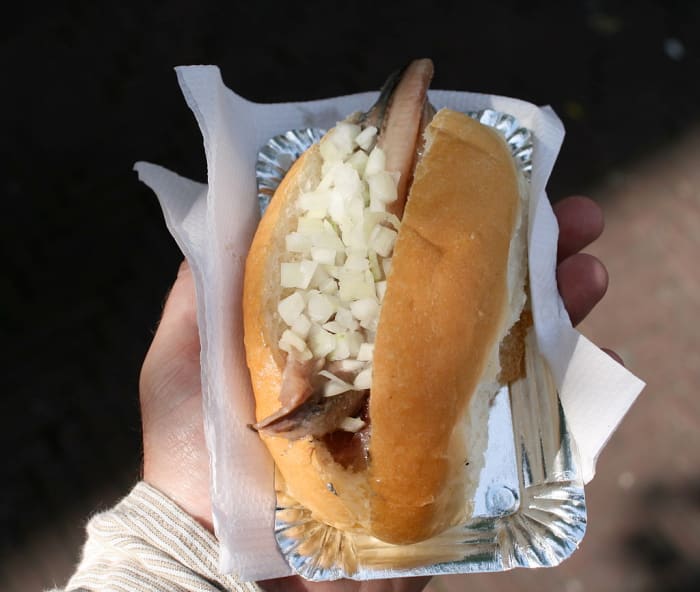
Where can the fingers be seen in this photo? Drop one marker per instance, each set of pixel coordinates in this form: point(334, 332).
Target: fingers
point(174, 353)
point(583, 281)
point(178, 325)
point(580, 223)
point(614, 355)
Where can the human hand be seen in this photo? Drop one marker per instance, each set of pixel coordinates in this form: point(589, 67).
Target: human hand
point(175, 456)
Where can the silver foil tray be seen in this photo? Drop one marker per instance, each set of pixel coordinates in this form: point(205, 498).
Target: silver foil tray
point(527, 500)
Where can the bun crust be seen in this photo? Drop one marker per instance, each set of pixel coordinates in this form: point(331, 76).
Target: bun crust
point(441, 319)
point(441, 322)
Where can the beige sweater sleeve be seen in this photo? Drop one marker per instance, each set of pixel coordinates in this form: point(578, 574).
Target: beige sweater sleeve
point(147, 543)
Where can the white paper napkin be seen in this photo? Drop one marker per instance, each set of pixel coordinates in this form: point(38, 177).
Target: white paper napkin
point(213, 224)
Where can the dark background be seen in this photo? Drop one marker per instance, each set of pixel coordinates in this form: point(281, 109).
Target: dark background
point(88, 88)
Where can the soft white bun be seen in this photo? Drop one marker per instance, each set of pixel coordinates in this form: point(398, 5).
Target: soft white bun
point(445, 319)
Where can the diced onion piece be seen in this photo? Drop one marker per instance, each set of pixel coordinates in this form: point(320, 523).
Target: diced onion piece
point(352, 424)
point(338, 143)
point(334, 327)
point(353, 236)
point(376, 205)
point(316, 202)
point(327, 238)
point(344, 318)
point(319, 278)
point(381, 290)
point(320, 308)
point(381, 187)
point(342, 347)
point(366, 352)
point(349, 365)
point(330, 376)
point(374, 266)
point(291, 341)
point(376, 161)
point(365, 310)
point(364, 379)
point(358, 161)
point(323, 255)
point(394, 220)
point(296, 242)
point(335, 385)
point(309, 226)
point(321, 342)
point(302, 326)
point(329, 286)
point(346, 180)
point(365, 138)
point(354, 339)
point(353, 285)
point(386, 266)
point(297, 274)
point(382, 240)
point(356, 262)
point(291, 307)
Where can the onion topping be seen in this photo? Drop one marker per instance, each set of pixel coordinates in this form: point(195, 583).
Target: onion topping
point(337, 261)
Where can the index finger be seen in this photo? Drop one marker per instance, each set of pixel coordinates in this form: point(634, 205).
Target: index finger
point(580, 223)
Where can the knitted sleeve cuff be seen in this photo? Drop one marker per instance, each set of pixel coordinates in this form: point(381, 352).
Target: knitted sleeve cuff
point(146, 542)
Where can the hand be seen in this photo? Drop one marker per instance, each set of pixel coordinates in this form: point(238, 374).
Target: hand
point(175, 456)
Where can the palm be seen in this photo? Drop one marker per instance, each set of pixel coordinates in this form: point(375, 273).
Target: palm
point(175, 455)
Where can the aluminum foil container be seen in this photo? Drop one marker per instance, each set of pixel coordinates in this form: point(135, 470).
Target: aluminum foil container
point(526, 498)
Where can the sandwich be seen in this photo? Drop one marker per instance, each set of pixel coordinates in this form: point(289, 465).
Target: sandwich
point(385, 289)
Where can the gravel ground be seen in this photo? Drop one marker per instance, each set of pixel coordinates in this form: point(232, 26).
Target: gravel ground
point(89, 89)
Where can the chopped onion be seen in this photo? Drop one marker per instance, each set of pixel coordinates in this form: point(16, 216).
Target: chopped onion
point(364, 379)
point(291, 307)
point(329, 286)
point(365, 310)
point(366, 352)
point(353, 285)
point(290, 341)
point(323, 255)
point(316, 202)
point(382, 240)
point(319, 278)
point(354, 339)
point(344, 318)
point(352, 424)
point(358, 161)
point(343, 245)
point(376, 161)
point(356, 262)
point(381, 187)
point(365, 138)
point(296, 242)
point(349, 365)
point(381, 290)
point(334, 386)
point(374, 265)
point(376, 205)
point(342, 347)
point(386, 265)
point(338, 143)
point(309, 226)
point(321, 342)
point(320, 307)
point(334, 327)
point(302, 326)
point(298, 274)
